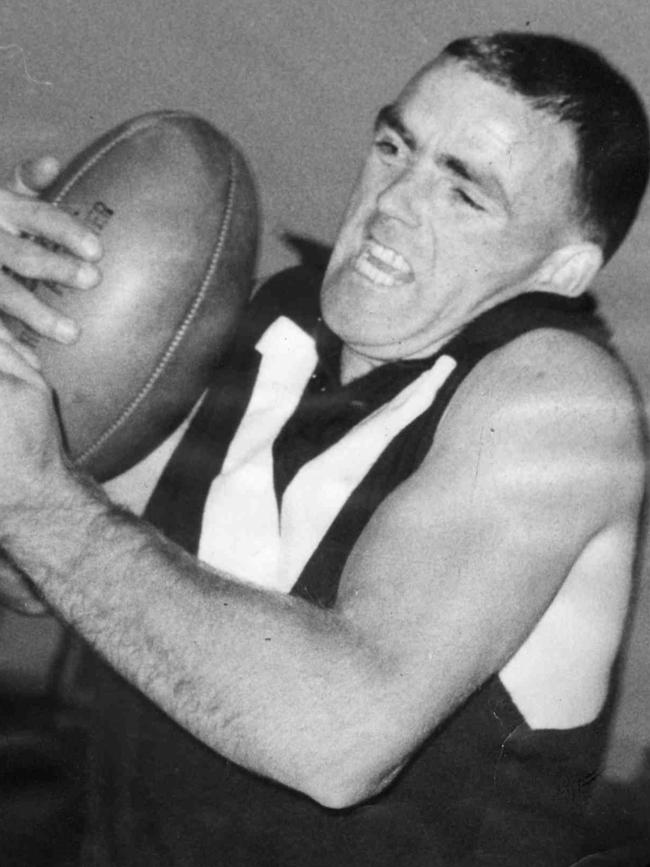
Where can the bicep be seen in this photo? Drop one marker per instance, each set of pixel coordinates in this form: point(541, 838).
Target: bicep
point(460, 563)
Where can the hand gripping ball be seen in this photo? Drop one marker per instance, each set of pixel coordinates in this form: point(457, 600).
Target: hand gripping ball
point(174, 205)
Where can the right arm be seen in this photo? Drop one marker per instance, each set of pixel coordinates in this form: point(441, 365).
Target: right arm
point(23, 217)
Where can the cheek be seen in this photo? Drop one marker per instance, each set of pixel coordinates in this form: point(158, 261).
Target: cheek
point(517, 249)
point(530, 246)
point(349, 229)
point(470, 264)
point(363, 200)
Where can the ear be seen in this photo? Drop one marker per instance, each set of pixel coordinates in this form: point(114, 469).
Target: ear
point(570, 269)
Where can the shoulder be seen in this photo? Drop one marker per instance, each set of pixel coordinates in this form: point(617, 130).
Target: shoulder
point(552, 407)
point(550, 373)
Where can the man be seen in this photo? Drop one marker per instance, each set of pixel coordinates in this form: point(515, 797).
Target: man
point(417, 537)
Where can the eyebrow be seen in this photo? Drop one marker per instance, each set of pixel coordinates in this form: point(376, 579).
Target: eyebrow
point(487, 181)
point(391, 116)
point(460, 168)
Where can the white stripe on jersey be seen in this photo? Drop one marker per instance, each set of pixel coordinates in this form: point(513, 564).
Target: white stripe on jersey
point(242, 532)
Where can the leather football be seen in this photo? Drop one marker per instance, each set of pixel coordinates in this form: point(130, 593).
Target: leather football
point(174, 205)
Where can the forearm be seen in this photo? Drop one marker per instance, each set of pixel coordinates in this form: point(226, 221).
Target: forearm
point(259, 676)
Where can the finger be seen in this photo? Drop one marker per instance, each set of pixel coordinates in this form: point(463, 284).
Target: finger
point(35, 261)
point(16, 592)
point(24, 306)
point(27, 353)
point(44, 220)
point(12, 364)
point(32, 176)
point(20, 215)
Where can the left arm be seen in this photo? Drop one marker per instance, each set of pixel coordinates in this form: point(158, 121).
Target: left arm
point(442, 587)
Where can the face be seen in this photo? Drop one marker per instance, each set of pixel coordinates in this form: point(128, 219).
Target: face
point(465, 193)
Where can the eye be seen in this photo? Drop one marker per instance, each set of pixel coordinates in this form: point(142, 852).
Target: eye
point(468, 200)
point(387, 147)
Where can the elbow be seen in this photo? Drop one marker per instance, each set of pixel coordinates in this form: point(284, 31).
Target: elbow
point(341, 789)
point(336, 795)
point(358, 766)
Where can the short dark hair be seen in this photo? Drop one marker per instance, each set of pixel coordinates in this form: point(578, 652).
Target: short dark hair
point(577, 85)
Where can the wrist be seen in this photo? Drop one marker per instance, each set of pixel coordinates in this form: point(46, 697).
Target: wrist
point(48, 521)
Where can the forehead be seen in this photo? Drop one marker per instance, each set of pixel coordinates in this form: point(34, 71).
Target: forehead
point(449, 106)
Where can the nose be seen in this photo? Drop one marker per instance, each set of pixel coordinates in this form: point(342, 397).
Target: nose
point(401, 198)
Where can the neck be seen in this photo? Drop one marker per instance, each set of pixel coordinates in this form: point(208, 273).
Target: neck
point(355, 363)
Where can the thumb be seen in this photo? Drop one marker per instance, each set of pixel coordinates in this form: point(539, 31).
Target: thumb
point(32, 176)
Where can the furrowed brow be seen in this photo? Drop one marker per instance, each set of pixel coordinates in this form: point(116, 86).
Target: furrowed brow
point(486, 181)
point(390, 117)
point(458, 167)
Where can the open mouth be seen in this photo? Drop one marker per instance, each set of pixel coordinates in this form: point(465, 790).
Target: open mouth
point(383, 266)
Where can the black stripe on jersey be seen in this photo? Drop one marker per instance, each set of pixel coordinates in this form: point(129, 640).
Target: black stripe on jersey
point(177, 503)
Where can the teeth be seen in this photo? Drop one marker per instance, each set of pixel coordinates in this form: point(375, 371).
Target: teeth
point(382, 265)
point(388, 256)
point(365, 267)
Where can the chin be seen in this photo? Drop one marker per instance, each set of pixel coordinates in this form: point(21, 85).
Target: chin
point(350, 303)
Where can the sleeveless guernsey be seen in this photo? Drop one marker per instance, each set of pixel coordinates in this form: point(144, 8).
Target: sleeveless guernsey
point(275, 479)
